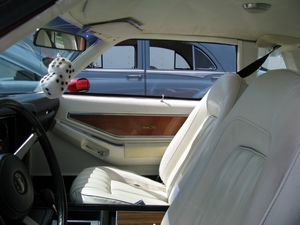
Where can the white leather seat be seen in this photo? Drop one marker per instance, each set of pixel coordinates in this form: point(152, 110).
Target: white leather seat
point(253, 174)
point(109, 185)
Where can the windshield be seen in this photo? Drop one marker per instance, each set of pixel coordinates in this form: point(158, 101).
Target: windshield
point(23, 64)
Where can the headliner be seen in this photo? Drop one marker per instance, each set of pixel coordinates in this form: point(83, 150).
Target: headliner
point(213, 18)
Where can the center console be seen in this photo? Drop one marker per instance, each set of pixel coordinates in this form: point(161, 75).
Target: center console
point(115, 215)
point(79, 222)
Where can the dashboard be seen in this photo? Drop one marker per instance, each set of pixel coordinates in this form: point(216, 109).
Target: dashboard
point(14, 129)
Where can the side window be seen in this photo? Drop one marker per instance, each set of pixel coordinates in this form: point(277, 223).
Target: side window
point(170, 55)
point(186, 70)
point(116, 72)
point(181, 63)
point(119, 57)
point(122, 56)
point(156, 68)
point(161, 58)
point(273, 62)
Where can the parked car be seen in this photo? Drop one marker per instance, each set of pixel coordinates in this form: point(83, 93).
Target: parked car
point(156, 68)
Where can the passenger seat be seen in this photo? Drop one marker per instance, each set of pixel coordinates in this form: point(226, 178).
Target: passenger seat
point(253, 175)
point(108, 185)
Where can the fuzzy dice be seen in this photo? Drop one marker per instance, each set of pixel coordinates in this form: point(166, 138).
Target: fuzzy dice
point(60, 72)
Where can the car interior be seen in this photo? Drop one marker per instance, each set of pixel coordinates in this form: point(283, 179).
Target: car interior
point(80, 158)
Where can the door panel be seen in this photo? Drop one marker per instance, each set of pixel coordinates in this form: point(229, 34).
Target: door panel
point(121, 130)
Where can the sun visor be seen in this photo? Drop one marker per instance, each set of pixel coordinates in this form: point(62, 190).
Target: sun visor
point(117, 28)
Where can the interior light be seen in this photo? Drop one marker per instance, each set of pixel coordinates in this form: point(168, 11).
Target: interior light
point(256, 7)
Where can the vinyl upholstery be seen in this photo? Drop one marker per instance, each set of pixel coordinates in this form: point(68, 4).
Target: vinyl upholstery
point(113, 186)
point(107, 185)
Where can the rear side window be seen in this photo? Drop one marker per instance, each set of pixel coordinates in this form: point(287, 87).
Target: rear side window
point(159, 68)
point(202, 61)
point(273, 62)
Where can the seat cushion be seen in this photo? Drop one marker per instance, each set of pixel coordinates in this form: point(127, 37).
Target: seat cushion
point(107, 185)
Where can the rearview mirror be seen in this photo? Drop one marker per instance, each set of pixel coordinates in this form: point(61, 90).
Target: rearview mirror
point(55, 39)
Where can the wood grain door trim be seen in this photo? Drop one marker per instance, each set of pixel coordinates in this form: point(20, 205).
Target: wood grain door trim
point(132, 125)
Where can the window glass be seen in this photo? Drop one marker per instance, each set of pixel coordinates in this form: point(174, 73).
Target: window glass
point(181, 63)
point(116, 72)
point(10, 71)
point(171, 55)
point(202, 61)
point(7, 70)
point(156, 68)
point(186, 69)
point(22, 65)
point(98, 63)
point(15, 79)
point(119, 57)
point(273, 62)
point(161, 58)
point(223, 56)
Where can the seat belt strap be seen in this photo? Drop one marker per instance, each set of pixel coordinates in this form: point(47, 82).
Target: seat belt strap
point(251, 68)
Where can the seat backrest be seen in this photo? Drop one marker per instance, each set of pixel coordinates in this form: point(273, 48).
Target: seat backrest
point(213, 107)
point(253, 175)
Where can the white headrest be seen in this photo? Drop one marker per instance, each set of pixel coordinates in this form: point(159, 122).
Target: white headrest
point(217, 99)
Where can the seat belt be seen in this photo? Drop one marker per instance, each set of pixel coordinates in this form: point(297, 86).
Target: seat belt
point(251, 68)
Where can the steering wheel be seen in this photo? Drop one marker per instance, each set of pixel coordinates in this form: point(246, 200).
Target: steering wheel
point(16, 189)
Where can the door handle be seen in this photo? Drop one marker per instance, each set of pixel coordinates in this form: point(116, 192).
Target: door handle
point(135, 76)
